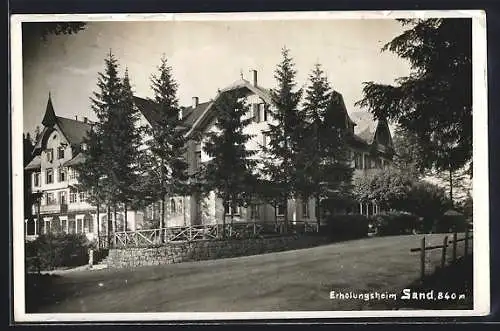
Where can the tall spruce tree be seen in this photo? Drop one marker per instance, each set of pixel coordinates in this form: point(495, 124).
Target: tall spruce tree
point(125, 170)
point(230, 170)
point(165, 159)
point(285, 135)
point(93, 173)
point(317, 99)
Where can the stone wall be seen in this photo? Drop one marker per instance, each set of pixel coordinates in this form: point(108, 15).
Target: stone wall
point(207, 250)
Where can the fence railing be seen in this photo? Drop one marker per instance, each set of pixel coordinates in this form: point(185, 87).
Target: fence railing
point(444, 249)
point(237, 230)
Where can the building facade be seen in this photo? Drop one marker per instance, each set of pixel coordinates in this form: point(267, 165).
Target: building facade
point(60, 205)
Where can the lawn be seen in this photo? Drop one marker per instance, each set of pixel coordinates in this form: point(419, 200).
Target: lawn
point(291, 280)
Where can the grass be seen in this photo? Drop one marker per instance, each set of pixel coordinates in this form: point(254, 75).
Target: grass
point(291, 280)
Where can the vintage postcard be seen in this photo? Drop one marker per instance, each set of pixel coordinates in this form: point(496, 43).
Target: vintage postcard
point(183, 167)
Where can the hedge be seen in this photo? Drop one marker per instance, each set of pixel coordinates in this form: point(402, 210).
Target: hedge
point(348, 226)
point(394, 223)
point(51, 251)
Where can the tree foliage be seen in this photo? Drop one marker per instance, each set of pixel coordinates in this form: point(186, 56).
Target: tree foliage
point(230, 170)
point(284, 158)
point(328, 171)
point(434, 102)
point(165, 158)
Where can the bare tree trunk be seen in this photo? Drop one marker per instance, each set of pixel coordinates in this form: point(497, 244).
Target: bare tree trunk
point(225, 203)
point(98, 224)
point(451, 186)
point(110, 223)
point(162, 216)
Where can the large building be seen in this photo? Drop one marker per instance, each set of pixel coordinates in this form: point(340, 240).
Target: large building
point(60, 143)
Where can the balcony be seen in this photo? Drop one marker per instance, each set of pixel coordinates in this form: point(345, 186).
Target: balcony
point(54, 209)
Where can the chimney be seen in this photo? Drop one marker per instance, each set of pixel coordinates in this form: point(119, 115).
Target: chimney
point(85, 120)
point(76, 117)
point(195, 102)
point(254, 73)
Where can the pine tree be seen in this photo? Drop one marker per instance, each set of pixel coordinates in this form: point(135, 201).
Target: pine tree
point(230, 170)
point(165, 158)
point(285, 134)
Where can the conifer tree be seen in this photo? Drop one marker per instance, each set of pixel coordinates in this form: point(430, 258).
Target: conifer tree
point(230, 170)
point(93, 172)
point(285, 134)
point(328, 169)
point(126, 151)
point(165, 159)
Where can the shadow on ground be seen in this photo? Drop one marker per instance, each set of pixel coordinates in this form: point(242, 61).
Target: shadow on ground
point(447, 288)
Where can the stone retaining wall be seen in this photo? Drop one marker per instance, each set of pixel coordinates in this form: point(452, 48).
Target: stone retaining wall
point(207, 250)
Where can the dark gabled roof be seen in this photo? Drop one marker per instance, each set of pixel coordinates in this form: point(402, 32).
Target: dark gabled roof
point(79, 158)
point(192, 114)
point(75, 131)
point(148, 109)
point(35, 163)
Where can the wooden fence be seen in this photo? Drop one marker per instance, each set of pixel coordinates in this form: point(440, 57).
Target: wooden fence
point(239, 230)
point(444, 248)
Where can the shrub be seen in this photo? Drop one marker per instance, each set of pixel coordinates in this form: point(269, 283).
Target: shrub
point(52, 251)
point(394, 223)
point(341, 227)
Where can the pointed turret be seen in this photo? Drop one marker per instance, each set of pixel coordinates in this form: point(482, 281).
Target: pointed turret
point(50, 116)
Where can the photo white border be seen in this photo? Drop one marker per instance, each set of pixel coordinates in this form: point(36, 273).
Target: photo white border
point(481, 251)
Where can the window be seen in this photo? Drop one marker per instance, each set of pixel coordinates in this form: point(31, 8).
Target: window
point(231, 209)
point(264, 139)
point(254, 211)
point(256, 112)
point(50, 199)
point(172, 206)
point(81, 196)
point(49, 179)
point(72, 196)
point(305, 209)
point(36, 179)
point(83, 146)
point(198, 159)
point(62, 197)
point(62, 174)
point(72, 173)
point(50, 155)
point(367, 162)
point(358, 160)
point(60, 153)
point(264, 111)
point(280, 210)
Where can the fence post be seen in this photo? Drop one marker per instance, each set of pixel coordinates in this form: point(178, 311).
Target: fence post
point(422, 258)
point(454, 252)
point(443, 252)
point(466, 242)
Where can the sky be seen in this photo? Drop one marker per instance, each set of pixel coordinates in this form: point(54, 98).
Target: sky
point(205, 56)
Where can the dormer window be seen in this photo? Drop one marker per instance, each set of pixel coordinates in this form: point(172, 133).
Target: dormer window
point(83, 146)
